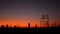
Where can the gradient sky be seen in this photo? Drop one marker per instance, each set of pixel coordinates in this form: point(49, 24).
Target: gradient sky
point(21, 12)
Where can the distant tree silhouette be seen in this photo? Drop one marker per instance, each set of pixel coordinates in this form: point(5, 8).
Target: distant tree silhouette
point(2, 26)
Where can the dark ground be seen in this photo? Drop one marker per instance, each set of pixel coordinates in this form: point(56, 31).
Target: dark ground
point(30, 30)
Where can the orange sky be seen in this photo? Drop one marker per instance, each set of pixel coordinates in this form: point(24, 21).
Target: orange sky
point(23, 23)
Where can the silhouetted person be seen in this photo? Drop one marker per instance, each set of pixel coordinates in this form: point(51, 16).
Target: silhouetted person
point(59, 25)
point(15, 26)
point(54, 24)
point(36, 25)
point(18, 26)
point(10, 27)
point(28, 24)
point(6, 25)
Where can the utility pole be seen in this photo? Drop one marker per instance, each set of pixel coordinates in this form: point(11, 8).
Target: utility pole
point(45, 19)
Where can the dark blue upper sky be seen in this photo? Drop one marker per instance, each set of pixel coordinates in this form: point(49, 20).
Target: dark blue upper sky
point(30, 8)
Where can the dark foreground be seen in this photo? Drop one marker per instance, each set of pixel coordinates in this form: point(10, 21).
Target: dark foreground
point(33, 30)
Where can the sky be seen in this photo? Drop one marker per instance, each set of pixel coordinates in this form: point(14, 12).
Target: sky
point(20, 12)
